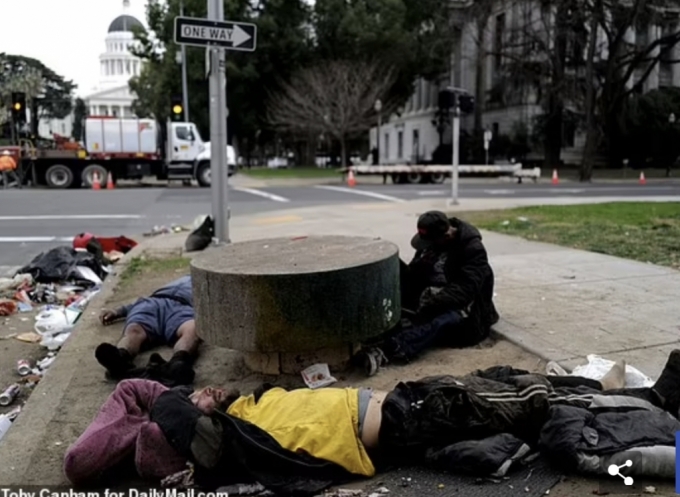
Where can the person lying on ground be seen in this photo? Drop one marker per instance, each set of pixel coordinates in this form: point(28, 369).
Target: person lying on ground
point(481, 423)
point(164, 318)
point(446, 294)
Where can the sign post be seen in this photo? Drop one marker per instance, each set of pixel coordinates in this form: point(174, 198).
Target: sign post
point(487, 138)
point(217, 36)
point(455, 142)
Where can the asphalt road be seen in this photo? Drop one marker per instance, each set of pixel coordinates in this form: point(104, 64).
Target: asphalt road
point(32, 221)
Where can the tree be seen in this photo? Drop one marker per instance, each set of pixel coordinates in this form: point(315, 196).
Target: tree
point(48, 94)
point(335, 98)
point(79, 115)
point(629, 65)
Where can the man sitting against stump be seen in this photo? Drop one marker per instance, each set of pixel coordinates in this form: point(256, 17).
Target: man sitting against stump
point(446, 294)
point(166, 317)
point(302, 441)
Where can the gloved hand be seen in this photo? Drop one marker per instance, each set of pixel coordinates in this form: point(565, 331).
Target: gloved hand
point(427, 298)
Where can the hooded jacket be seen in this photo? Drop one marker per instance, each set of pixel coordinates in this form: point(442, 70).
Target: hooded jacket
point(468, 285)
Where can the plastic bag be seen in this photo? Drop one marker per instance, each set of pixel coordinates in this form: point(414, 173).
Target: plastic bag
point(597, 367)
point(55, 320)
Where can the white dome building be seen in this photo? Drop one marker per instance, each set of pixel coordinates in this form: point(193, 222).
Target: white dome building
point(112, 97)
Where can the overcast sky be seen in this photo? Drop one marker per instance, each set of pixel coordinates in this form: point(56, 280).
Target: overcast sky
point(66, 35)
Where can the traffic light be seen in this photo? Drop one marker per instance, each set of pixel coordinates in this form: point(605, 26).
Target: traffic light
point(177, 109)
point(19, 107)
point(466, 104)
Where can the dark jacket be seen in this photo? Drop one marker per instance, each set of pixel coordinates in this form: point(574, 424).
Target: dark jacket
point(226, 450)
point(469, 282)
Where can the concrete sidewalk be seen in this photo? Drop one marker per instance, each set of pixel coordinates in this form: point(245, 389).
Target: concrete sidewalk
point(559, 303)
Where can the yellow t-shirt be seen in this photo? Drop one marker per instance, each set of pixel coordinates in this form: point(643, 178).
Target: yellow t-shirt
point(323, 423)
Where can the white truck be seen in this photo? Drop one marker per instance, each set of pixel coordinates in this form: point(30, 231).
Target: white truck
point(127, 149)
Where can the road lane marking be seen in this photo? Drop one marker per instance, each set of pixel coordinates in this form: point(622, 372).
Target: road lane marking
point(499, 192)
point(365, 193)
point(277, 220)
point(35, 239)
point(261, 193)
point(432, 192)
point(75, 216)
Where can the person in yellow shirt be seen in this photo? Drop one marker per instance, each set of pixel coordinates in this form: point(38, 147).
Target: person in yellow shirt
point(8, 167)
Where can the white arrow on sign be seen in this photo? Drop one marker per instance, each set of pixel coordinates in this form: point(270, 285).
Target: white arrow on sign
point(236, 35)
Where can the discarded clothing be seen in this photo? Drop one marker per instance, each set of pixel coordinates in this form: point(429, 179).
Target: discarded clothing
point(215, 444)
point(122, 428)
point(201, 237)
point(323, 423)
point(60, 264)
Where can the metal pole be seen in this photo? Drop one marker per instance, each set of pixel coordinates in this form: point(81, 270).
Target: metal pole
point(185, 92)
point(218, 133)
point(454, 156)
point(377, 138)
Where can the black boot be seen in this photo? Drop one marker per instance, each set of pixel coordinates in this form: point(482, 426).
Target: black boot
point(118, 362)
point(668, 384)
point(180, 368)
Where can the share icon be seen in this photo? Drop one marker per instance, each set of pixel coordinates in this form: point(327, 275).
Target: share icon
point(615, 470)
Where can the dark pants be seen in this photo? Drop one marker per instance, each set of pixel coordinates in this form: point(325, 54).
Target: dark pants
point(440, 411)
point(416, 333)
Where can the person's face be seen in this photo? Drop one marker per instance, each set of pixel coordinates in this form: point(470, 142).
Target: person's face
point(208, 399)
point(442, 242)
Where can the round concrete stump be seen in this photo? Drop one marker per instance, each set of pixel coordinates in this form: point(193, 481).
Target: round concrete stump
point(289, 303)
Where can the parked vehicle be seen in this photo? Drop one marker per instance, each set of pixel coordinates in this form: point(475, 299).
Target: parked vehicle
point(126, 149)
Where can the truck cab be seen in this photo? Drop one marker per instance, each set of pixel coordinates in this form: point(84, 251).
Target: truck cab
point(183, 145)
point(202, 166)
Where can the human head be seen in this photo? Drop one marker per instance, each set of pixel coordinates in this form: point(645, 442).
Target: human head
point(209, 399)
point(434, 229)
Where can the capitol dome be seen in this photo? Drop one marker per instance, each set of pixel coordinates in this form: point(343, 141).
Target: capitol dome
point(117, 65)
point(125, 22)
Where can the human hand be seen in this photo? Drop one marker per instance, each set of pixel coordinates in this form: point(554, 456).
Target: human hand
point(108, 317)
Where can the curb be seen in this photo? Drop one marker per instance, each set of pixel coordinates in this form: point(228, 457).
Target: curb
point(24, 446)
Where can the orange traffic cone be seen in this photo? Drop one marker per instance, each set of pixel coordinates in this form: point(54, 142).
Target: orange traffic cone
point(351, 180)
point(109, 182)
point(642, 180)
point(96, 182)
point(555, 178)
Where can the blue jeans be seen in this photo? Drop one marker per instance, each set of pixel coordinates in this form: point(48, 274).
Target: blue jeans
point(409, 341)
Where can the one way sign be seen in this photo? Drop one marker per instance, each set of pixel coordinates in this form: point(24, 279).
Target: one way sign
point(231, 35)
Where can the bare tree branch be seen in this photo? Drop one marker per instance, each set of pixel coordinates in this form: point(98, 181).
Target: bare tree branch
point(336, 98)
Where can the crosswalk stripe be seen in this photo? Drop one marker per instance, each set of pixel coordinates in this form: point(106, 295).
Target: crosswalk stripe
point(364, 193)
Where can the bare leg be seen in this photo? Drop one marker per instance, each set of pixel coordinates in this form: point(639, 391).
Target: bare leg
point(187, 339)
point(133, 338)
point(615, 378)
point(118, 360)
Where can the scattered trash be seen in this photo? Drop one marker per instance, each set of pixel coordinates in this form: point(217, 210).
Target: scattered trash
point(7, 337)
point(29, 337)
point(597, 367)
point(8, 307)
point(5, 425)
point(11, 393)
point(23, 367)
point(505, 223)
point(523, 219)
point(317, 376)
point(441, 485)
point(650, 490)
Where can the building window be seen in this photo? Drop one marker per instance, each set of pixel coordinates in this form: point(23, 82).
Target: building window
point(498, 41)
point(114, 111)
point(128, 68)
point(400, 144)
point(386, 148)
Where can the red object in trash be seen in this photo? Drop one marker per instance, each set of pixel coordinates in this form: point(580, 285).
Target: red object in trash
point(120, 244)
point(81, 240)
point(8, 307)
